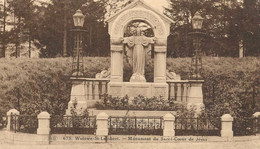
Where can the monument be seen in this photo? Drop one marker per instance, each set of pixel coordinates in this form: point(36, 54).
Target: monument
point(138, 45)
point(87, 91)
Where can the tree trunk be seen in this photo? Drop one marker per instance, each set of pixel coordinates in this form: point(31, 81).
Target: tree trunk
point(2, 53)
point(17, 50)
point(65, 30)
point(30, 43)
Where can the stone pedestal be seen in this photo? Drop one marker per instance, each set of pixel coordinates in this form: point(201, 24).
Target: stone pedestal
point(12, 112)
point(102, 124)
point(226, 125)
point(43, 123)
point(168, 123)
point(195, 99)
point(78, 95)
point(131, 89)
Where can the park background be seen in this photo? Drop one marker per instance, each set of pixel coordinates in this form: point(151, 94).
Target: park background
point(32, 85)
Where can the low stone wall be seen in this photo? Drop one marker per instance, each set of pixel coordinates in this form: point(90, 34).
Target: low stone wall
point(102, 135)
point(25, 138)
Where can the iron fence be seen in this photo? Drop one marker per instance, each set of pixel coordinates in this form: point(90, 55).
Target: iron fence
point(197, 126)
point(246, 126)
point(23, 123)
point(135, 126)
point(73, 124)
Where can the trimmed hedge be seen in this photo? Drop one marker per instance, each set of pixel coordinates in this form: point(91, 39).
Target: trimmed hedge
point(231, 84)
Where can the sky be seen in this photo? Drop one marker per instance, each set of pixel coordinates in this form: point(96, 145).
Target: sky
point(157, 4)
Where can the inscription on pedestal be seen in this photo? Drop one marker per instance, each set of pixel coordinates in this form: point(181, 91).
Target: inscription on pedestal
point(116, 91)
point(135, 91)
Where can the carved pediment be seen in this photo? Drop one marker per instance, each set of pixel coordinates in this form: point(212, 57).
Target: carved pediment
point(139, 10)
point(139, 4)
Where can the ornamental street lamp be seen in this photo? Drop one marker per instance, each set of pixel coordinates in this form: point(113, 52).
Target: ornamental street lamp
point(197, 21)
point(196, 62)
point(77, 63)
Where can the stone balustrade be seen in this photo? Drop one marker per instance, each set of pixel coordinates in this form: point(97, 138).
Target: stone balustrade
point(178, 90)
point(86, 92)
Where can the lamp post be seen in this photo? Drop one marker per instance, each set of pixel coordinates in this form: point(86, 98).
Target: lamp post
point(196, 62)
point(77, 63)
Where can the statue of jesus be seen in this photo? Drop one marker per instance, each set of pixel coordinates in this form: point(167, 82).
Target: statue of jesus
point(139, 45)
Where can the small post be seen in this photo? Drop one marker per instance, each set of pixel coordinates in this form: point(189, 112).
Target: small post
point(226, 126)
point(257, 127)
point(102, 124)
point(9, 113)
point(257, 114)
point(43, 123)
point(168, 130)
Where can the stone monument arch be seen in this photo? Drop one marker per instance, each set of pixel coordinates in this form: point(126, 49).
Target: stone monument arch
point(86, 92)
point(160, 25)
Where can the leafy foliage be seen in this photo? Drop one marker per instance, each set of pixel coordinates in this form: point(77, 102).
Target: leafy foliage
point(231, 85)
point(226, 23)
point(138, 103)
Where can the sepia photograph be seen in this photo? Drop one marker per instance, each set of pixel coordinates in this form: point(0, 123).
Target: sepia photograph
point(125, 74)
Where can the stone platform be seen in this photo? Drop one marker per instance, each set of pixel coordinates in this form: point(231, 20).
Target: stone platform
point(130, 113)
point(121, 89)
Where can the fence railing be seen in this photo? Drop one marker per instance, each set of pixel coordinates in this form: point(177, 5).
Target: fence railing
point(73, 124)
point(246, 126)
point(135, 126)
point(197, 126)
point(24, 123)
point(178, 90)
point(95, 88)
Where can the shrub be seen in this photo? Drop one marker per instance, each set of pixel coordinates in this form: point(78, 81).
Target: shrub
point(138, 103)
point(231, 84)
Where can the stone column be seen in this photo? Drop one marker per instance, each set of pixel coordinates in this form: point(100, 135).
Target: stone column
point(195, 99)
point(12, 112)
point(116, 59)
point(78, 95)
point(43, 123)
point(226, 126)
point(160, 63)
point(169, 126)
point(102, 124)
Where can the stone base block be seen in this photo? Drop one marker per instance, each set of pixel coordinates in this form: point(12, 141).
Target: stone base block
point(132, 89)
point(81, 106)
point(43, 131)
point(225, 133)
point(168, 133)
point(102, 132)
point(198, 107)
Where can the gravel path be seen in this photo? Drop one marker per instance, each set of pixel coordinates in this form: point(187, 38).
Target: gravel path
point(255, 144)
point(208, 145)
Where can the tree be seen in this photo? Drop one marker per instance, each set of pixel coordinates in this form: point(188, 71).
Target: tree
point(25, 12)
point(219, 24)
point(3, 14)
point(53, 26)
point(116, 5)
